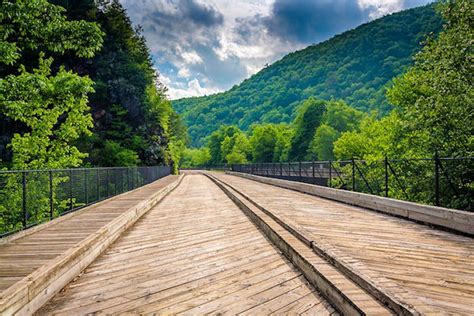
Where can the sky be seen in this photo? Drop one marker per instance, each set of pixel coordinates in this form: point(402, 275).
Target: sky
point(201, 47)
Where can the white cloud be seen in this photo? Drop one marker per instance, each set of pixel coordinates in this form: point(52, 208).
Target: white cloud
point(191, 89)
point(379, 8)
point(184, 72)
point(191, 58)
point(206, 46)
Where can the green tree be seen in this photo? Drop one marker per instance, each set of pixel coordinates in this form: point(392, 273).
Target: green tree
point(263, 142)
point(339, 117)
point(309, 117)
point(321, 148)
point(56, 114)
point(236, 148)
point(195, 157)
point(52, 106)
point(283, 142)
point(436, 95)
point(215, 142)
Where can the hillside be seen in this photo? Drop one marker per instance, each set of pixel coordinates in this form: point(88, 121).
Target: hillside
point(354, 66)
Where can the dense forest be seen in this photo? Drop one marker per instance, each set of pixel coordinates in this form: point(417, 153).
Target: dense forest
point(354, 66)
point(80, 89)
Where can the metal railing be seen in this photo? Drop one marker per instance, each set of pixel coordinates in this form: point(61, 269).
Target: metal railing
point(209, 167)
point(30, 197)
point(447, 182)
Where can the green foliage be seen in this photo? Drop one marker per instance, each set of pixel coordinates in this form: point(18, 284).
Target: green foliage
point(116, 155)
point(54, 109)
point(436, 95)
point(50, 108)
point(263, 141)
point(338, 118)
point(130, 111)
point(36, 25)
point(236, 148)
point(309, 116)
point(215, 142)
point(195, 157)
point(321, 148)
point(354, 66)
point(375, 139)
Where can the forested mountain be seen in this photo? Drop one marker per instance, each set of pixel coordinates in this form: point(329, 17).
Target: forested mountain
point(354, 66)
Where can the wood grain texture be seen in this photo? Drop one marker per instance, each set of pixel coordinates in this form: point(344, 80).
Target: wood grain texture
point(193, 253)
point(35, 264)
point(430, 269)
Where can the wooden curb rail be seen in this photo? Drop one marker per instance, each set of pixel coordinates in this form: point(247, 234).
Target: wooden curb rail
point(297, 255)
point(28, 295)
point(456, 221)
point(385, 297)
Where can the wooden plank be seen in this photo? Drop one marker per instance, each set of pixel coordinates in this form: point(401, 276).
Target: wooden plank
point(427, 268)
point(195, 250)
point(52, 273)
point(344, 295)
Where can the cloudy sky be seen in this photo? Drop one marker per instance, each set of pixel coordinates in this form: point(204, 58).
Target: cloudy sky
point(205, 46)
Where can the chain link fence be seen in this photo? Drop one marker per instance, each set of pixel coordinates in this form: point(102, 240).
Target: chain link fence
point(30, 197)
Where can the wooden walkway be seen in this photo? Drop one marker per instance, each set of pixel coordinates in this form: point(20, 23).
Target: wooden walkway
point(228, 245)
point(21, 256)
point(194, 253)
point(429, 269)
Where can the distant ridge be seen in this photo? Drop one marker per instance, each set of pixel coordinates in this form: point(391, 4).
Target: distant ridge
point(355, 66)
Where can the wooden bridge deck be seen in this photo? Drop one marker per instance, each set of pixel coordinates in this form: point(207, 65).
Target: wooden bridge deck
point(429, 269)
point(21, 254)
point(193, 253)
point(197, 251)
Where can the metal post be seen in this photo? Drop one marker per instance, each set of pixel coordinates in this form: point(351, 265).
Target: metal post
point(299, 167)
point(98, 185)
point(437, 162)
point(51, 202)
point(330, 173)
point(25, 212)
point(281, 169)
point(312, 164)
point(107, 182)
point(128, 178)
point(289, 169)
point(70, 189)
point(86, 189)
point(353, 175)
point(386, 176)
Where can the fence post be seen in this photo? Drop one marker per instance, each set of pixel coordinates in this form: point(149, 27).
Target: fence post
point(386, 175)
point(25, 212)
point(312, 164)
point(353, 175)
point(437, 162)
point(51, 202)
point(299, 167)
point(128, 178)
point(107, 182)
point(330, 173)
point(86, 189)
point(70, 189)
point(98, 184)
point(281, 169)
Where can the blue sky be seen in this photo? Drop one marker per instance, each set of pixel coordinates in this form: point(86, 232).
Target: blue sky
point(202, 47)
